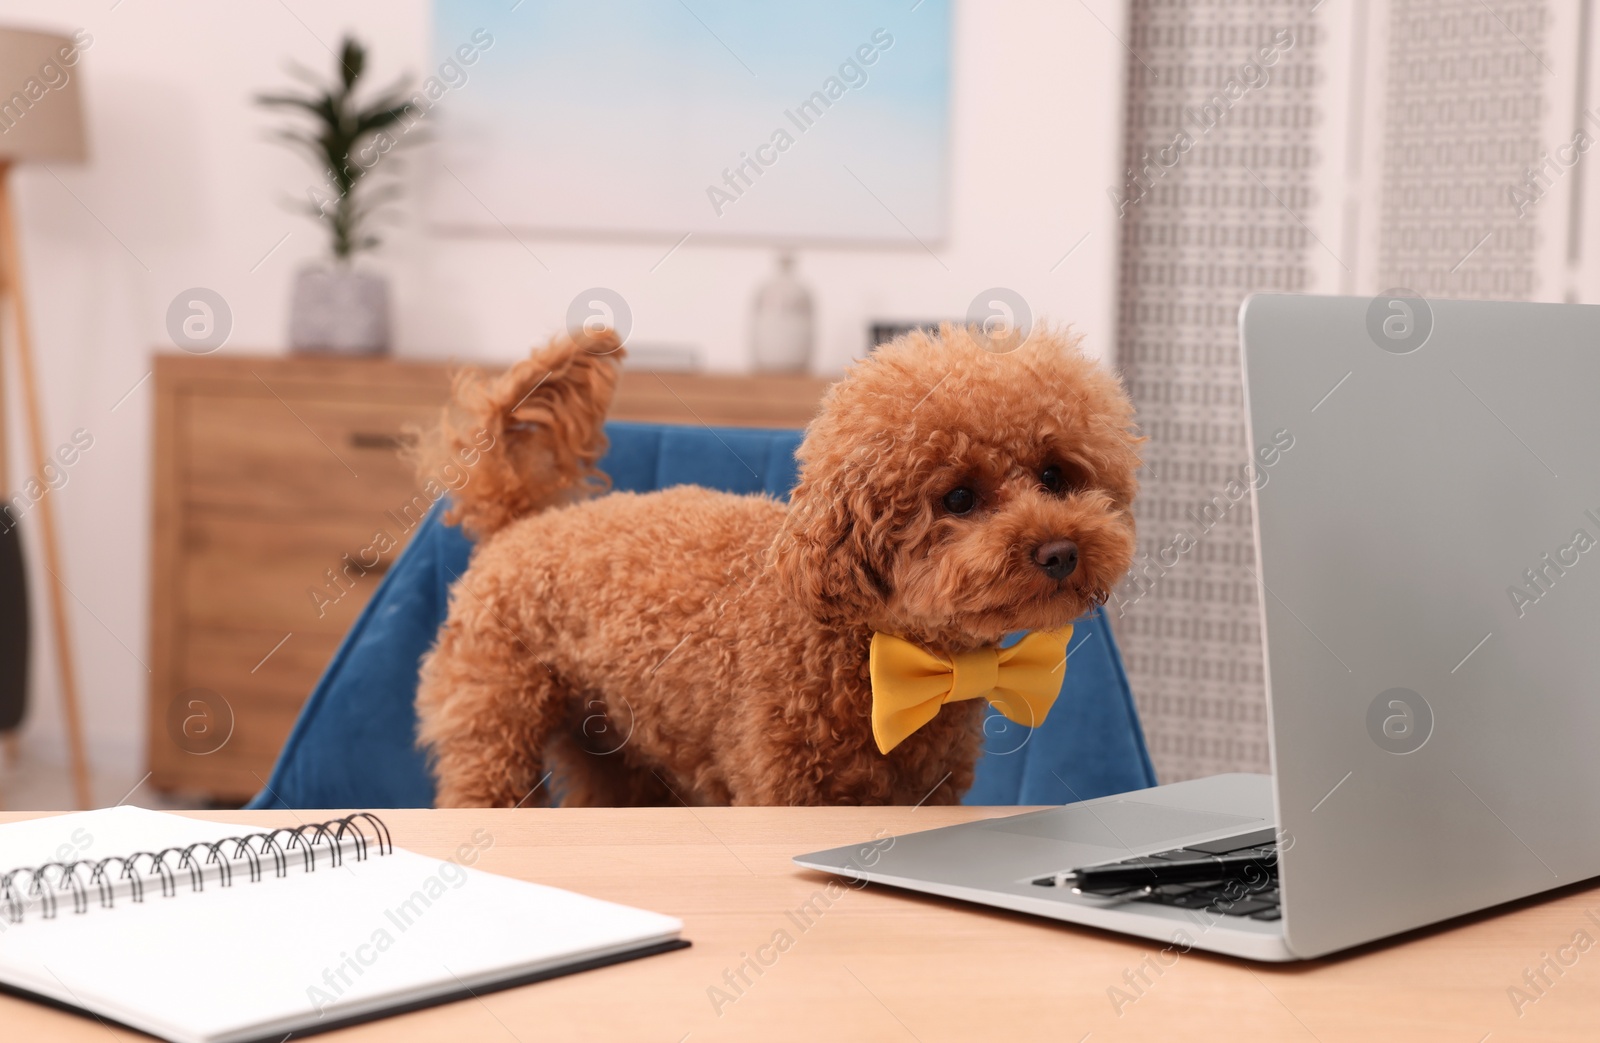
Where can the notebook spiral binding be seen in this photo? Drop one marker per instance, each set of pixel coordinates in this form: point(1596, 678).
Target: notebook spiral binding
point(44, 883)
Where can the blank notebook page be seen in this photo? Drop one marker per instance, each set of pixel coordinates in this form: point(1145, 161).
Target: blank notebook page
point(259, 959)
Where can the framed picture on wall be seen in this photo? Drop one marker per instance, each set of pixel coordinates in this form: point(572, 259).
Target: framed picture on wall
point(790, 121)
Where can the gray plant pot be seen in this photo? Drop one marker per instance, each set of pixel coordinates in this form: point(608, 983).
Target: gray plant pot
point(339, 311)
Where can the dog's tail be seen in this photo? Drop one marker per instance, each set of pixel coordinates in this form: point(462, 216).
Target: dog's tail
point(529, 439)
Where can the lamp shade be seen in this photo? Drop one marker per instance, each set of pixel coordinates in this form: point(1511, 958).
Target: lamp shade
point(41, 107)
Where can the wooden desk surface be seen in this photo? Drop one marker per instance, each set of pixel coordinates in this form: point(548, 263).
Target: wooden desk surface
point(886, 965)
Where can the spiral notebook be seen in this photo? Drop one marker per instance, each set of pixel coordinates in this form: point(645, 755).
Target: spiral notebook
point(201, 932)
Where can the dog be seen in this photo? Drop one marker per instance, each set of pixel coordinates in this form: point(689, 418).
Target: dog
point(696, 647)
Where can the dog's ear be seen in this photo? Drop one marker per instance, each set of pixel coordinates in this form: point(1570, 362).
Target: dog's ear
point(833, 553)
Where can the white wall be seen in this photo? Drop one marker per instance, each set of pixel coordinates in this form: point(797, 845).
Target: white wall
point(183, 190)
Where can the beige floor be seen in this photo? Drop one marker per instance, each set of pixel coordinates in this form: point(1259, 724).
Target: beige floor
point(33, 784)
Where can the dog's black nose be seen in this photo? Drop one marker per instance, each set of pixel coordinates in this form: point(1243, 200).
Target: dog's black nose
point(1058, 558)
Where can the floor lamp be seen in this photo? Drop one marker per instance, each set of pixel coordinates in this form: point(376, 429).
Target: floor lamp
point(41, 120)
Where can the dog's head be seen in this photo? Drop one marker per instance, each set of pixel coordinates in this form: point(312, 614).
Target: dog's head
point(953, 490)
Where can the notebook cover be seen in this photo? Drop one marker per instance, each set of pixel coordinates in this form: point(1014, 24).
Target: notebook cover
point(575, 967)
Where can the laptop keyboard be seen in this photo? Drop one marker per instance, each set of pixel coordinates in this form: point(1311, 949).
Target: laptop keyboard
point(1255, 898)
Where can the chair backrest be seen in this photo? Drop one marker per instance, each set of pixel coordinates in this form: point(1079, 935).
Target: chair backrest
point(354, 744)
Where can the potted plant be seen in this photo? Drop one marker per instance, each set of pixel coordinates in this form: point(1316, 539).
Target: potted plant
point(337, 307)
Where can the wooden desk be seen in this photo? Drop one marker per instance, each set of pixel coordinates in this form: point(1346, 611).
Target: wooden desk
point(885, 965)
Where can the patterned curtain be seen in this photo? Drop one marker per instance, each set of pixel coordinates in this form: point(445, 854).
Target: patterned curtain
point(1228, 143)
point(1461, 127)
point(1222, 104)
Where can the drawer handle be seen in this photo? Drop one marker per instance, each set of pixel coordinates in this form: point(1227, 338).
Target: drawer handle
point(377, 568)
point(378, 440)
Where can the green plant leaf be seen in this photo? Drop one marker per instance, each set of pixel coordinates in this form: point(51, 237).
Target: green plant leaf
point(303, 100)
point(307, 76)
point(380, 195)
point(314, 105)
point(340, 142)
point(372, 121)
point(304, 144)
point(395, 93)
point(352, 61)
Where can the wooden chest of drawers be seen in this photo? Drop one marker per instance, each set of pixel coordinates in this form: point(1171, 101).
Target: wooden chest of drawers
point(268, 472)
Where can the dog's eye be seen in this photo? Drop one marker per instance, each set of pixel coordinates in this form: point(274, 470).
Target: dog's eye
point(960, 500)
point(1053, 480)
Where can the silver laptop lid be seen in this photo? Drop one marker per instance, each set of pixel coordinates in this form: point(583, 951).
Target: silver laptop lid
point(1427, 492)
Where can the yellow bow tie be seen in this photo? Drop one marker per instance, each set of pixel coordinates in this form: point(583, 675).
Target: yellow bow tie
point(909, 683)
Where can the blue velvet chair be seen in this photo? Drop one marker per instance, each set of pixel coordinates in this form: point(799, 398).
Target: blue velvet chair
point(354, 743)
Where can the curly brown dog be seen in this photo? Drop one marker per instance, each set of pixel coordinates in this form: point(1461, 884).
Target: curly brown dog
point(697, 646)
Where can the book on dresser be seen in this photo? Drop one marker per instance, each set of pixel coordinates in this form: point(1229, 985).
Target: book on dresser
point(280, 499)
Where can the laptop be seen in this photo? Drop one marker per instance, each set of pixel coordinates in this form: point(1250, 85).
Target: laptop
point(1428, 570)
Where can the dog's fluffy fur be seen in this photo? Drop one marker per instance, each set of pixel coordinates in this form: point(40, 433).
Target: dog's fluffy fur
point(697, 646)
